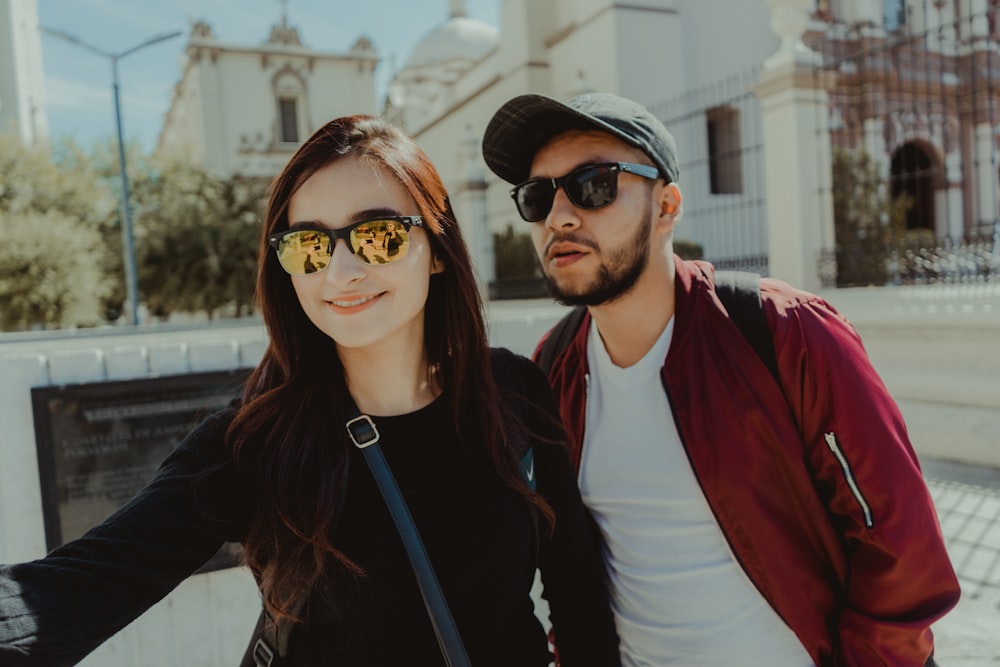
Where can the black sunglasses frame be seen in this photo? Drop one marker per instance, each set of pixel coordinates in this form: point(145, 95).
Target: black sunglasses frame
point(643, 170)
point(407, 221)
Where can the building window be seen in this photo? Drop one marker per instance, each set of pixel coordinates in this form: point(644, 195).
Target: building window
point(288, 120)
point(291, 105)
point(724, 168)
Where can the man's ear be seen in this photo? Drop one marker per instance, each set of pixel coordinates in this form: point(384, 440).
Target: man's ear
point(670, 207)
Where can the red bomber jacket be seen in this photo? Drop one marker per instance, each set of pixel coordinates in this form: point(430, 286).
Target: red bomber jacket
point(814, 484)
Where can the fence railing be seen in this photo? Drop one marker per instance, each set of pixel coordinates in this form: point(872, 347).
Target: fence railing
point(719, 139)
point(920, 261)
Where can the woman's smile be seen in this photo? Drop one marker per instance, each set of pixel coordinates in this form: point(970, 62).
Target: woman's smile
point(355, 304)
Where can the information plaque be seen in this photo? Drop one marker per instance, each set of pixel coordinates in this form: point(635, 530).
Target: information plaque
point(100, 443)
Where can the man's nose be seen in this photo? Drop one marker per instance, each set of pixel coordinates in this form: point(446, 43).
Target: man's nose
point(563, 214)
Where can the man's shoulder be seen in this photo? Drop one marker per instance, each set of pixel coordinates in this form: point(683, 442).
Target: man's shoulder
point(781, 292)
point(784, 302)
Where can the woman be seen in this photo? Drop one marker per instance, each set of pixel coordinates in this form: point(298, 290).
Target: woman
point(405, 342)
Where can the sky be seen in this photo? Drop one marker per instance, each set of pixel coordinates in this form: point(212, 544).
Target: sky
point(78, 83)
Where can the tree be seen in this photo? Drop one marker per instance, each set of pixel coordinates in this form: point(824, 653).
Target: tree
point(103, 155)
point(515, 255)
point(865, 219)
point(688, 249)
point(196, 240)
point(53, 251)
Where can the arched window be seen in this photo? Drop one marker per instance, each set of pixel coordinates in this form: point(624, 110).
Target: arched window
point(290, 107)
point(913, 174)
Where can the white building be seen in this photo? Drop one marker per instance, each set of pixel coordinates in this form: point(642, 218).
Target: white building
point(916, 91)
point(22, 93)
point(244, 109)
point(650, 50)
point(696, 64)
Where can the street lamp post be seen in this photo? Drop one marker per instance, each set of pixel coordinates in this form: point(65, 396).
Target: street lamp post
point(128, 238)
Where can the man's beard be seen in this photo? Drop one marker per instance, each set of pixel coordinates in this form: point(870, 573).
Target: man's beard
point(615, 277)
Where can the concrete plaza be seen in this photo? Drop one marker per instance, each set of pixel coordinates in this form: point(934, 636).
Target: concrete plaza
point(968, 505)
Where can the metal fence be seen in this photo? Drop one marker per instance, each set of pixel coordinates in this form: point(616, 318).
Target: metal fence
point(916, 107)
point(718, 133)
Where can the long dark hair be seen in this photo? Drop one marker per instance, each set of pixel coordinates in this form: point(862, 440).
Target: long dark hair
point(288, 435)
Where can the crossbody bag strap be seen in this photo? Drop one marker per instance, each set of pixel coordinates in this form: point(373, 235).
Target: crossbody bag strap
point(365, 436)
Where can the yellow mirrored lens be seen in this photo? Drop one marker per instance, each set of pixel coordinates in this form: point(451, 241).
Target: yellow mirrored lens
point(380, 241)
point(307, 251)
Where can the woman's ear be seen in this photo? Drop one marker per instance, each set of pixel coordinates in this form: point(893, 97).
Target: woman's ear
point(437, 264)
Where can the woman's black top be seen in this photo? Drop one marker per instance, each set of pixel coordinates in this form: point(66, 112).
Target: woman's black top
point(480, 535)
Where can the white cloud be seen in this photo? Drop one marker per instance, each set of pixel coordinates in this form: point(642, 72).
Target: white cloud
point(63, 93)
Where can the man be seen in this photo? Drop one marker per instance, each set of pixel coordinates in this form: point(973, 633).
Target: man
point(745, 522)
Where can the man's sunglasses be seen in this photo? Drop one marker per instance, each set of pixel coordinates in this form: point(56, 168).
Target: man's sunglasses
point(588, 187)
point(380, 240)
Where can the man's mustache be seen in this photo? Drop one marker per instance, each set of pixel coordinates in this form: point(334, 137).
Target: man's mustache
point(570, 238)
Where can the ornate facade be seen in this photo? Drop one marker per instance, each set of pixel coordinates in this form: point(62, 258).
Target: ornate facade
point(915, 87)
point(241, 109)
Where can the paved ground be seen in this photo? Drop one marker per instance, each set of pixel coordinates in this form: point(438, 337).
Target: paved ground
point(968, 504)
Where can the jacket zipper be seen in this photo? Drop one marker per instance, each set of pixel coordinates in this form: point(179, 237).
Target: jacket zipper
point(852, 484)
point(583, 433)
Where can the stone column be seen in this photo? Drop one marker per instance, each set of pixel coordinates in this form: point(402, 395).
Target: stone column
point(986, 177)
point(469, 202)
point(955, 203)
point(797, 156)
point(977, 23)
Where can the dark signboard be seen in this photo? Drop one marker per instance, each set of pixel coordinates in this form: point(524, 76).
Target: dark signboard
point(100, 443)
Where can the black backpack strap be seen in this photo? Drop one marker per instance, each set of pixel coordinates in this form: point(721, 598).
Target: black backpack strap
point(559, 337)
point(739, 292)
point(504, 378)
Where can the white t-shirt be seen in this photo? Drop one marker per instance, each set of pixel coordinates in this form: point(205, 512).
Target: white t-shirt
point(678, 594)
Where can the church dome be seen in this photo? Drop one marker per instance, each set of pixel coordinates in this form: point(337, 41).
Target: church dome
point(458, 38)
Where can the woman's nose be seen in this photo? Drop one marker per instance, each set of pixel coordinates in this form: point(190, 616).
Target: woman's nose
point(344, 267)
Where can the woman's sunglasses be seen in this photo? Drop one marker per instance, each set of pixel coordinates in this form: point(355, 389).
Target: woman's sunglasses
point(380, 240)
point(588, 187)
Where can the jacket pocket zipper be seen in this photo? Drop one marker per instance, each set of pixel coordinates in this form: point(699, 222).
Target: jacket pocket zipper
point(852, 484)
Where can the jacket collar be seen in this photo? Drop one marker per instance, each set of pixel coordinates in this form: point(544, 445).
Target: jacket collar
point(690, 277)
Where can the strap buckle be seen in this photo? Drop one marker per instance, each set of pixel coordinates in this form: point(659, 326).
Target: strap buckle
point(362, 431)
point(263, 654)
